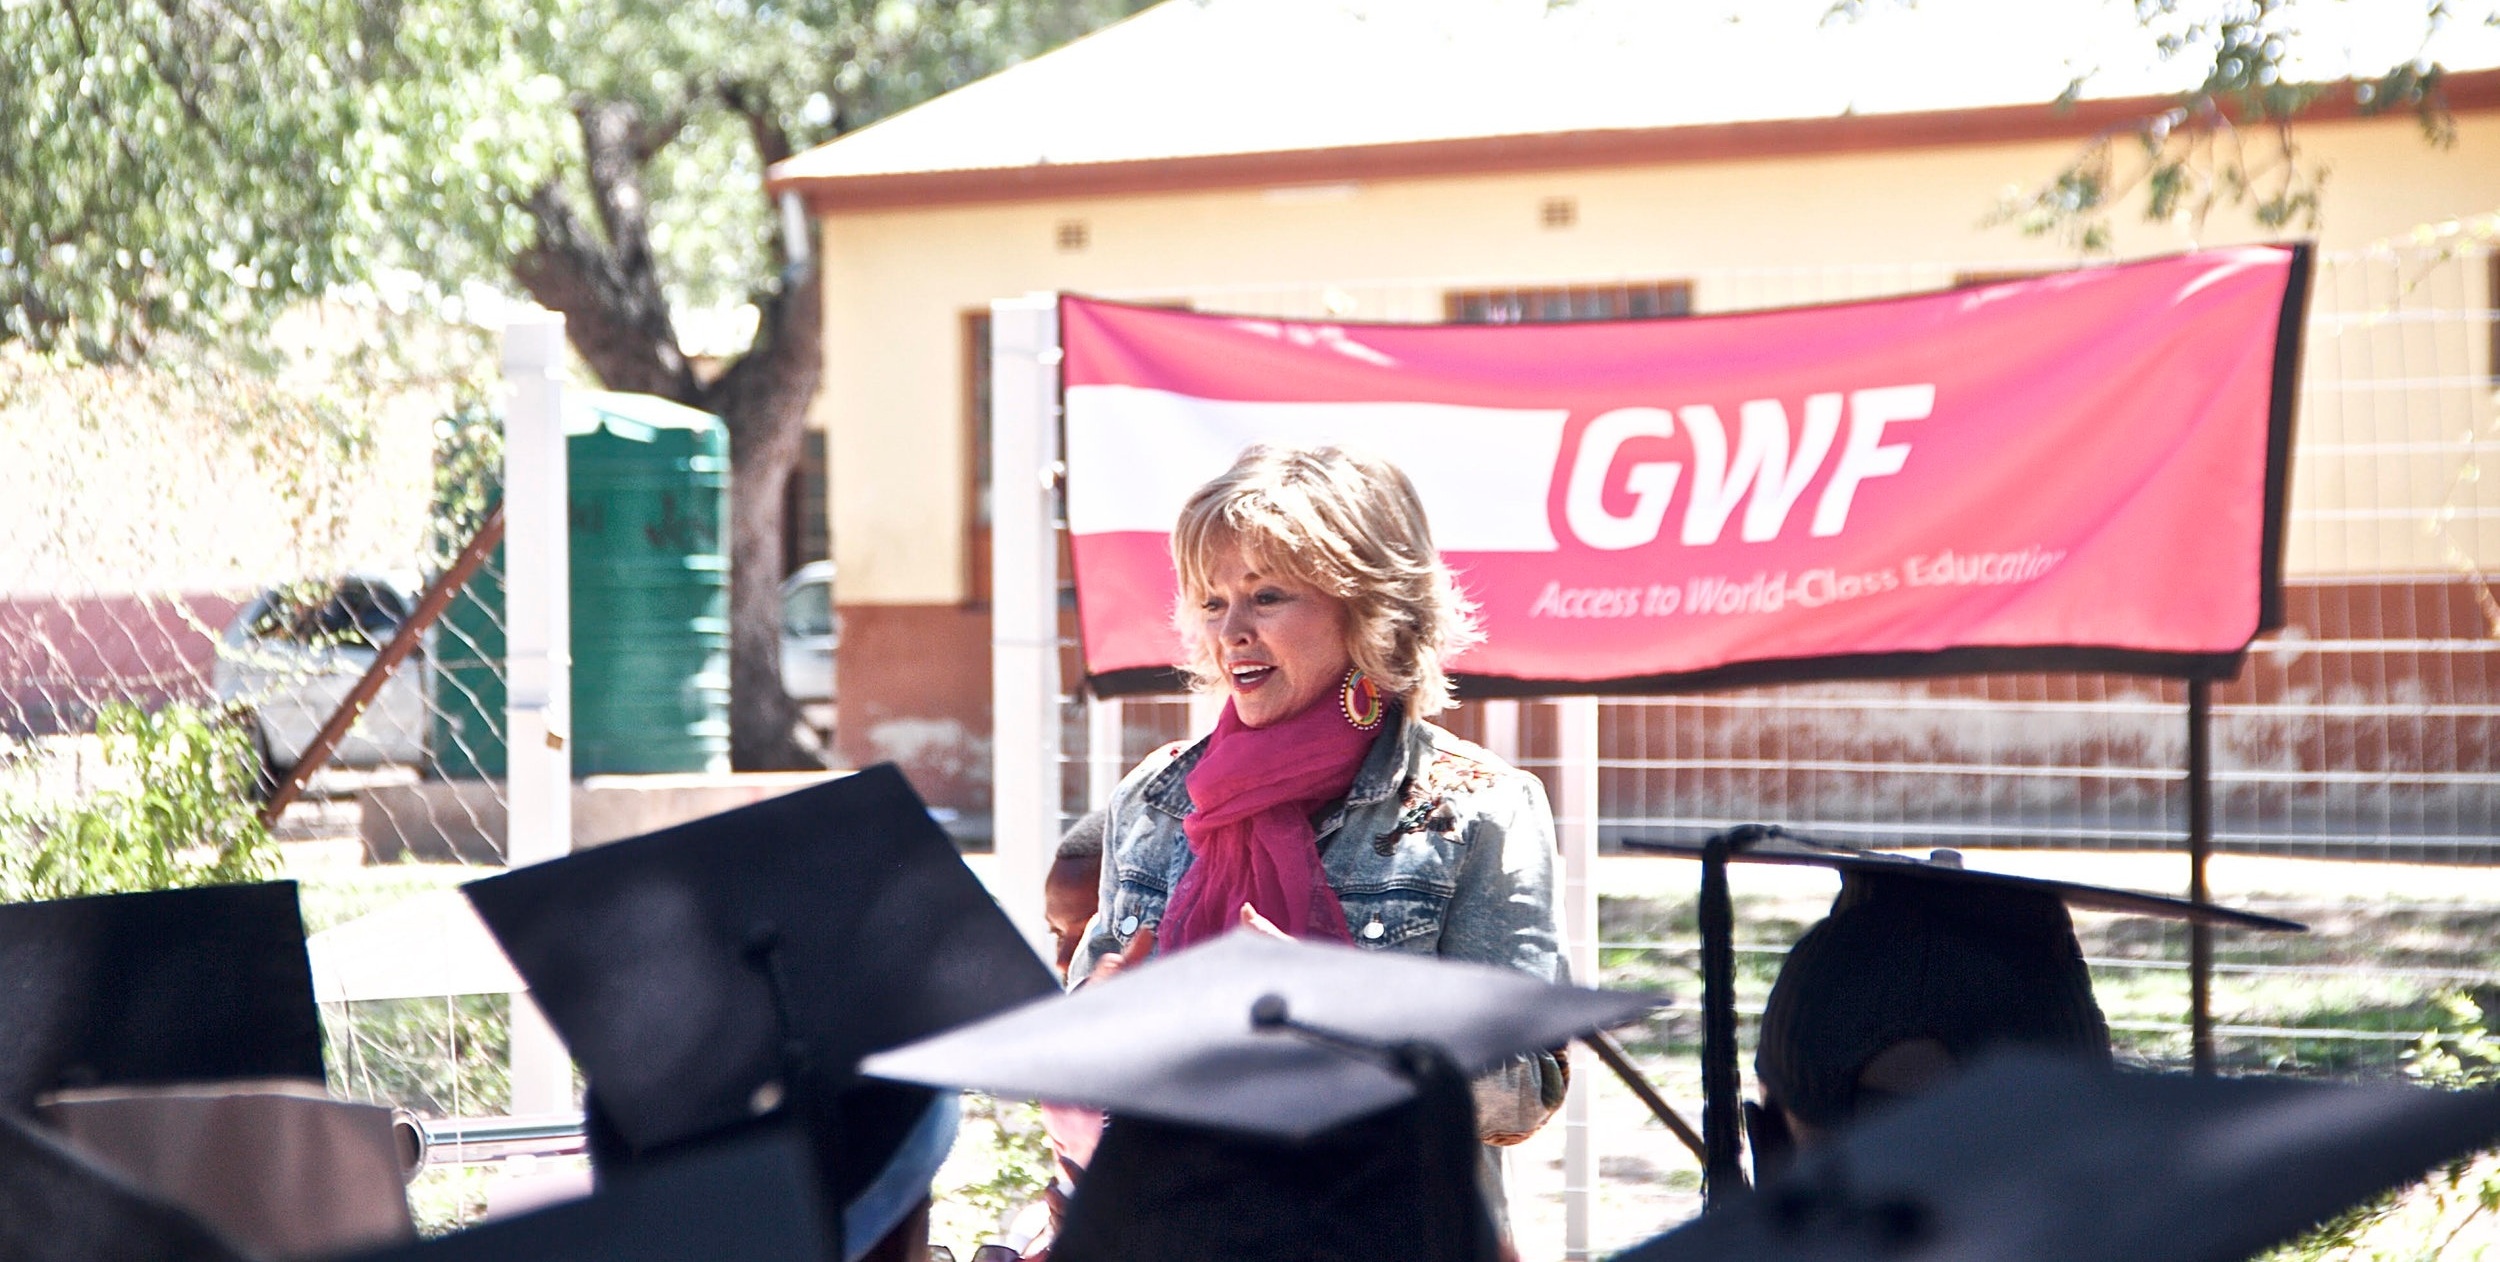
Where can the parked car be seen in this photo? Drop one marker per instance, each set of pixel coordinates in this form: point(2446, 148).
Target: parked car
point(292, 653)
point(809, 634)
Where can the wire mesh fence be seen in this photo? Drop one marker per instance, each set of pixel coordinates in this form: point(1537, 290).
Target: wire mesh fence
point(196, 538)
point(194, 535)
point(2366, 733)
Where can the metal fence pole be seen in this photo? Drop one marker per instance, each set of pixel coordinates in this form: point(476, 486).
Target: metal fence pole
point(539, 630)
point(1576, 755)
point(1024, 601)
point(2200, 787)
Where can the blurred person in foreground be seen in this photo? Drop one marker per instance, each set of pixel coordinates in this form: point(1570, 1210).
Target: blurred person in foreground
point(1324, 805)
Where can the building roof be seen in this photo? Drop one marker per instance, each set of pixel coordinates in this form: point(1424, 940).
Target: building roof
point(1218, 92)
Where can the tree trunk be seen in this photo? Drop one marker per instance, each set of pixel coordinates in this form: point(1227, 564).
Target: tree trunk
point(763, 450)
point(763, 398)
point(616, 316)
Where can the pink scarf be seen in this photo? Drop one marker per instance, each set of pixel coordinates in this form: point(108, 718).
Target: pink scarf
point(1255, 790)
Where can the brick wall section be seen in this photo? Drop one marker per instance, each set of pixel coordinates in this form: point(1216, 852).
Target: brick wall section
point(63, 656)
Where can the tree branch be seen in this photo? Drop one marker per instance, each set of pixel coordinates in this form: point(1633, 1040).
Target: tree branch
point(779, 372)
point(611, 161)
point(772, 142)
point(77, 29)
point(649, 140)
point(618, 321)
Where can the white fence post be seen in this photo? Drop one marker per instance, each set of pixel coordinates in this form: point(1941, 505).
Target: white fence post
point(1024, 601)
point(1105, 723)
point(1576, 772)
point(538, 630)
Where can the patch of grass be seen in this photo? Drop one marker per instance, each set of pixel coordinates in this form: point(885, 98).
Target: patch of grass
point(333, 896)
point(1000, 1163)
point(2454, 1213)
point(441, 1057)
point(443, 1199)
point(2362, 950)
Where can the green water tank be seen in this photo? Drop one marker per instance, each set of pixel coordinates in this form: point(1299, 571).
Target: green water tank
point(648, 502)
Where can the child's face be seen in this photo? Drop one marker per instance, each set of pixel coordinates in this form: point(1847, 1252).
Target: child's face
point(1068, 897)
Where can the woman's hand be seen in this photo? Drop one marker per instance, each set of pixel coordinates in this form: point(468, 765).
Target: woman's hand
point(1140, 949)
point(1256, 923)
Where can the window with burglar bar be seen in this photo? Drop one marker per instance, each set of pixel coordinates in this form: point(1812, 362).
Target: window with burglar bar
point(1557, 304)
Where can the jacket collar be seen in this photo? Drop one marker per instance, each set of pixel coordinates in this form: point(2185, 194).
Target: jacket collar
point(1384, 770)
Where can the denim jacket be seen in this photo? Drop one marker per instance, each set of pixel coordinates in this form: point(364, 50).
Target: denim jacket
point(1439, 848)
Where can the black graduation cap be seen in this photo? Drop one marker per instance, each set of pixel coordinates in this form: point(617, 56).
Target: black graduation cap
point(188, 985)
point(2050, 1160)
point(752, 1199)
point(737, 967)
point(58, 1206)
point(2008, 939)
point(1272, 1099)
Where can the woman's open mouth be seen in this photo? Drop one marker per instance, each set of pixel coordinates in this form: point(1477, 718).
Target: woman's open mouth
point(1249, 676)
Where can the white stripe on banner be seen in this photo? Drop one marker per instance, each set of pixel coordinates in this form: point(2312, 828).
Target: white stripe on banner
point(1483, 472)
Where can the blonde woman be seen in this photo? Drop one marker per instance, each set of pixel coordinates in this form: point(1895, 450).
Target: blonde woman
point(1325, 805)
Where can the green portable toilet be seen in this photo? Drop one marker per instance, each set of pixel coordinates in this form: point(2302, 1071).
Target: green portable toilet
point(648, 504)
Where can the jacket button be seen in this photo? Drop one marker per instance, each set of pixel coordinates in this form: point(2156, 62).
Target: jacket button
point(1375, 931)
point(1128, 925)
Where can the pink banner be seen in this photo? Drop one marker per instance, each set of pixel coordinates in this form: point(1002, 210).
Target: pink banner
point(2079, 471)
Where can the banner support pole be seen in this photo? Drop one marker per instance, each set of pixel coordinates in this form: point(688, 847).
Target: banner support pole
point(2200, 843)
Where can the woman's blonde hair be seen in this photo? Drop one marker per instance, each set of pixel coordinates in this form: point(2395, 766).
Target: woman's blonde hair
point(1351, 525)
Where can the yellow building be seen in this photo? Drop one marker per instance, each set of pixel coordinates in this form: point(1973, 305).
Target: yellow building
point(1485, 159)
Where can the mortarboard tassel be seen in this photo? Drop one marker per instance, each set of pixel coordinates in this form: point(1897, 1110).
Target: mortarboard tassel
point(1723, 1172)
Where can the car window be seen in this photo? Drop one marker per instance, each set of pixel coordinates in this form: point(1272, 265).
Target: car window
point(807, 610)
point(365, 613)
point(274, 617)
point(355, 613)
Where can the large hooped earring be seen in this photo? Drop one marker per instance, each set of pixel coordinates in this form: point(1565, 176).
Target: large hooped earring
point(1361, 701)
